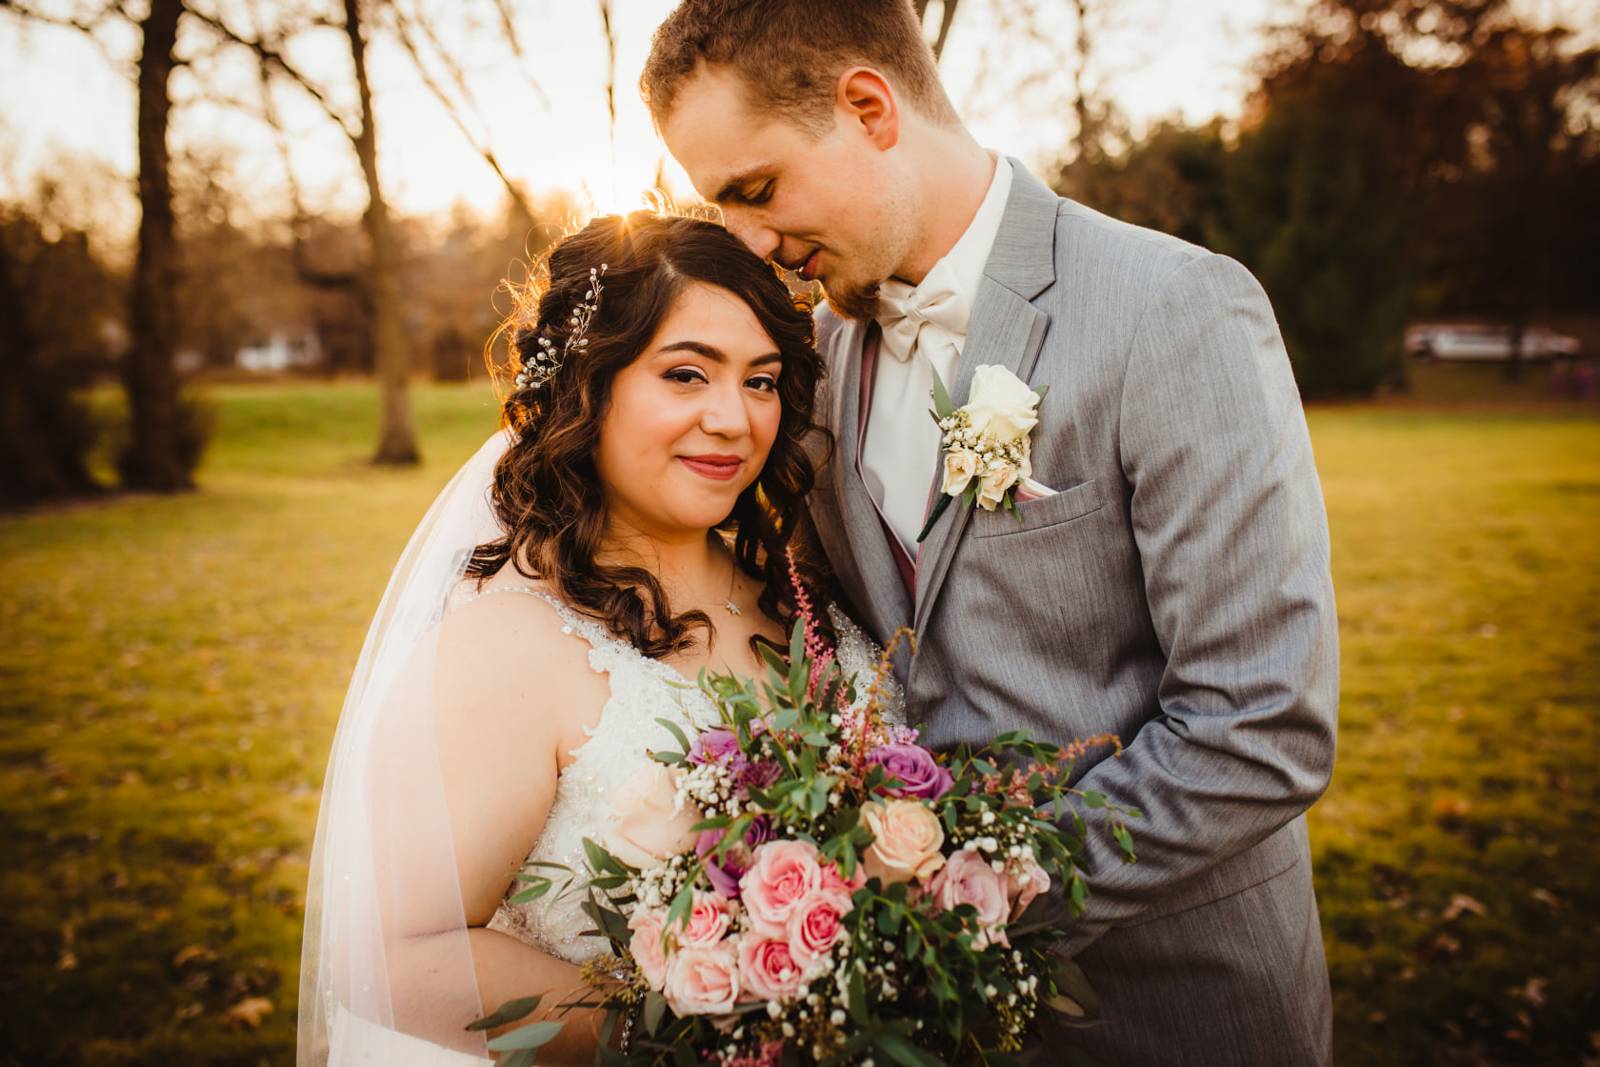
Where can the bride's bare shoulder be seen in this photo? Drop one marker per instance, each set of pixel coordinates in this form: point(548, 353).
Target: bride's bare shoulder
point(505, 653)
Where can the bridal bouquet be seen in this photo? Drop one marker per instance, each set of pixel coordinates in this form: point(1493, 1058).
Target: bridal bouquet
point(807, 884)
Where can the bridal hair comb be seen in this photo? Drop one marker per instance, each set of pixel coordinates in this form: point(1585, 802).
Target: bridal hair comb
point(545, 361)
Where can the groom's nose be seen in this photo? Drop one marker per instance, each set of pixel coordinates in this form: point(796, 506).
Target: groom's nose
point(762, 240)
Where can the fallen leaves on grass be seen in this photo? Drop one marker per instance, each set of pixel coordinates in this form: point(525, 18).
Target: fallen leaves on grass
point(250, 1011)
point(1460, 904)
point(193, 954)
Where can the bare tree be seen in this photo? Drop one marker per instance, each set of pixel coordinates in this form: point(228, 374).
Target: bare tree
point(397, 437)
point(417, 34)
point(946, 14)
point(165, 432)
point(154, 458)
point(392, 354)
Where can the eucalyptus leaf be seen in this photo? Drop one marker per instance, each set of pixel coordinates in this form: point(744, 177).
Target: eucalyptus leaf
point(856, 992)
point(509, 1012)
point(677, 733)
point(1125, 839)
point(526, 1037)
point(1072, 983)
point(654, 1008)
point(942, 406)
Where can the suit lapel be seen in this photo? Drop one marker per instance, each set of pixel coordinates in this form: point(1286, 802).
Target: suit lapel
point(886, 595)
point(1005, 329)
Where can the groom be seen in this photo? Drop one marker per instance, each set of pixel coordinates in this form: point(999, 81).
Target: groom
point(1171, 584)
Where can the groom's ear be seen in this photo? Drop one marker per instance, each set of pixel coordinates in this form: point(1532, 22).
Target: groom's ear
point(867, 102)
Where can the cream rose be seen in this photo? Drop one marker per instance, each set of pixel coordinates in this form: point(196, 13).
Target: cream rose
point(993, 485)
point(960, 467)
point(1002, 404)
point(702, 979)
point(642, 829)
point(906, 837)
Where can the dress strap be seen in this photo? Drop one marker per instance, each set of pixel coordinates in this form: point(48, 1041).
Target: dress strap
point(607, 652)
point(571, 622)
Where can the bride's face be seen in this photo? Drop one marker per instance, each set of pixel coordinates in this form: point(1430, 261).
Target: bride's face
point(691, 420)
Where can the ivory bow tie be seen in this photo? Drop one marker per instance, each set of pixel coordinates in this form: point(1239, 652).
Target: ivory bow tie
point(903, 310)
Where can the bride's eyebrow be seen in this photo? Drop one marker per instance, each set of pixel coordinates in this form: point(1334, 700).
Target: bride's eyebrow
point(715, 354)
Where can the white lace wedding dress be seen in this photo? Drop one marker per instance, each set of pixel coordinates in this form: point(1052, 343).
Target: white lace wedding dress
point(642, 691)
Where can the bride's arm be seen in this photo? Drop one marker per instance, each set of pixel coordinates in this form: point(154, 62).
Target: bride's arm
point(507, 685)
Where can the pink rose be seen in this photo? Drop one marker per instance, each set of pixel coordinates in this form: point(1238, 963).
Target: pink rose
point(1028, 880)
point(648, 926)
point(783, 874)
point(817, 924)
point(708, 920)
point(702, 979)
point(767, 967)
point(832, 879)
point(967, 878)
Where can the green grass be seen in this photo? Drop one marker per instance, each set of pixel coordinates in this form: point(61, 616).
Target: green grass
point(171, 671)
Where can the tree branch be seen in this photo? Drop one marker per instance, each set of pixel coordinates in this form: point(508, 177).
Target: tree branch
point(508, 23)
point(451, 106)
point(273, 57)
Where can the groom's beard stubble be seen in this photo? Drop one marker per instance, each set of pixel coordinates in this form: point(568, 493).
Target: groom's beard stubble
point(859, 303)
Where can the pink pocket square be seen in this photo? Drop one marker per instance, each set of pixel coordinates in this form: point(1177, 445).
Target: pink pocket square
point(1028, 489)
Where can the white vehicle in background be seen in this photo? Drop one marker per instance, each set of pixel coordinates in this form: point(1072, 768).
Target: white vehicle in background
point(1487, 344)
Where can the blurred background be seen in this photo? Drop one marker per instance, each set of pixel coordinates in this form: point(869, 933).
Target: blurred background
point(249, 255)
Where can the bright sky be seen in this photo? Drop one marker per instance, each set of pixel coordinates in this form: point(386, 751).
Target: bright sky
point(63, 95)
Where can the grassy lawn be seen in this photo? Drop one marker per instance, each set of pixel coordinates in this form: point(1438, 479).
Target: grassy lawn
point(171, 670)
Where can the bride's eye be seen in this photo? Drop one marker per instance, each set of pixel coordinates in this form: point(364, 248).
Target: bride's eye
point(684, 375)
point(766, 383)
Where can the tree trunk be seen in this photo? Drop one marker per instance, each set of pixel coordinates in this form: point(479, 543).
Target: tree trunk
point(155, 455)
point(43, 432)
point(397, 441)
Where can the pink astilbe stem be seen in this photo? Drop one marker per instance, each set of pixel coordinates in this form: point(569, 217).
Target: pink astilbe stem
point(817, 648)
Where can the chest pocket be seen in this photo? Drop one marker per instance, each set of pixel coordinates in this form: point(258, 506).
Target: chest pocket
point(1054, 510)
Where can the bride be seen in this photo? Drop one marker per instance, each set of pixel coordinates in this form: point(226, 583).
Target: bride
point(630, 525)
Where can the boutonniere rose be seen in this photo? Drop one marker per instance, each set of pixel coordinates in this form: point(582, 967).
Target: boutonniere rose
point(985, 441)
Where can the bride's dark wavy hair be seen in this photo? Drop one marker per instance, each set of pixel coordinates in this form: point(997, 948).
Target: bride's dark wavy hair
point(547, 492)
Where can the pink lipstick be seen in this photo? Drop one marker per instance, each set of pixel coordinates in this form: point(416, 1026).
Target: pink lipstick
point(713, 465)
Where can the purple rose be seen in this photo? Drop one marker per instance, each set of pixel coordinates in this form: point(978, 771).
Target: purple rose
point(714, 746)
point(919, 773)
point(760, 774)
point(725, 875)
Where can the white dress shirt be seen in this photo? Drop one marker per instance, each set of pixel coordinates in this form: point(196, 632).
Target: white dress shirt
point(924, 327)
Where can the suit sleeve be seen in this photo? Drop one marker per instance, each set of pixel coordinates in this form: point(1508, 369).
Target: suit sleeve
point(1232, 534)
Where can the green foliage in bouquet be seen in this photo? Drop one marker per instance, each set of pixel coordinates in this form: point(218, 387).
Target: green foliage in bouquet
point(849, 895)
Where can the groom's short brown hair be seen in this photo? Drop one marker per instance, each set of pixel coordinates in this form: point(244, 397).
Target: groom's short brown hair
point(790, 53)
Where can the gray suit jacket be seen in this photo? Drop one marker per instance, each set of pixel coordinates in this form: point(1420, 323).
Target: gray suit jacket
point(1175, 591)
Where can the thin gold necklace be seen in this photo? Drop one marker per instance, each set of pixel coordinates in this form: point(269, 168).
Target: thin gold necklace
point(733, 580)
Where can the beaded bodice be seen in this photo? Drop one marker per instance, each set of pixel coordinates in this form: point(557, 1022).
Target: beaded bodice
point(614, 755)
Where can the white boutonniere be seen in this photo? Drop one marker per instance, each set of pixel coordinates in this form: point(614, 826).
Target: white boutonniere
point(985, 442)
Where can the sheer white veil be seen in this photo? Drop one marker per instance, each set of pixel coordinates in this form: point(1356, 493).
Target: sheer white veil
point(386, 946)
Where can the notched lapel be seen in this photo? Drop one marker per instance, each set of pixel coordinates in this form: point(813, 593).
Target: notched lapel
point(1005, 329)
